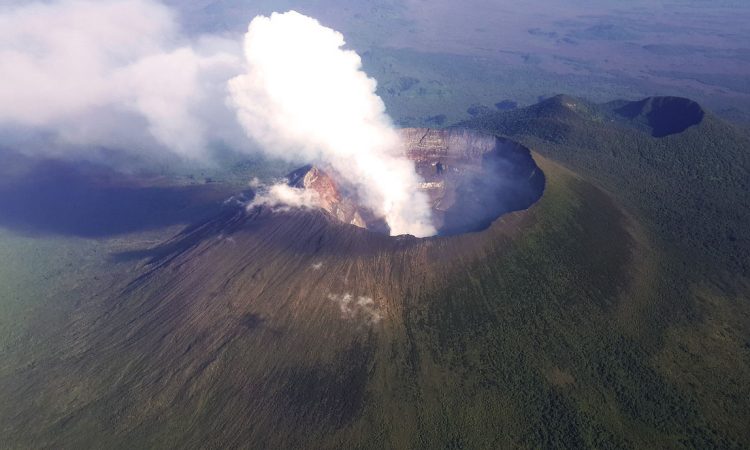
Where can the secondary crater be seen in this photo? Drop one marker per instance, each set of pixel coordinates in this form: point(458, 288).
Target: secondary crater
point(663, 116)
point(471, 179)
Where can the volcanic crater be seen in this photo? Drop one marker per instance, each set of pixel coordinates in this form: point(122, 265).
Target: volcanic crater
point(471, 179)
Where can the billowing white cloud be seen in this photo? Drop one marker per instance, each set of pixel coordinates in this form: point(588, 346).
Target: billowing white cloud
point(304, 97)
point(113, 73)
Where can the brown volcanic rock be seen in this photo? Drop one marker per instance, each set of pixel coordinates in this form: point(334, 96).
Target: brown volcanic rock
point(334, 198)
point(424, 144)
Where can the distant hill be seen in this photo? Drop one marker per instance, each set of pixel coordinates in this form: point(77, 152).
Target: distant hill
point(684, 169)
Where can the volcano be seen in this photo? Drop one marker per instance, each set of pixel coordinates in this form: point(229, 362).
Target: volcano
point(539, 321)
point(231, 306)
point(470, 178)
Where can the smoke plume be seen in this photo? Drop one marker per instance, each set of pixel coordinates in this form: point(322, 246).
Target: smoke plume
point(304, 97)
point(113, 73)
point(82, 75)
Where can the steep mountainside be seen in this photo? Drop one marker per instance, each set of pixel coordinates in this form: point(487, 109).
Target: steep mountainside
point(609, 314)
point(260, 329)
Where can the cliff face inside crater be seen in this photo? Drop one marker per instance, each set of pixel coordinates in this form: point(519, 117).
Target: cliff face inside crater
point(470, 178)
point(335, 198)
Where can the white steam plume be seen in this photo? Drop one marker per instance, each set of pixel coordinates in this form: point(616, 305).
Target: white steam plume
point(81, 75)
point(114, 73)
point(304, 97)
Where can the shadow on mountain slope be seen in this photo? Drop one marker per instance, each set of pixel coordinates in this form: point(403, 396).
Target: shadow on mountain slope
point(88, 200)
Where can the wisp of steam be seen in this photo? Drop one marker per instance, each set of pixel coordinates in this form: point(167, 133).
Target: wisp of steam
point(305, 97)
